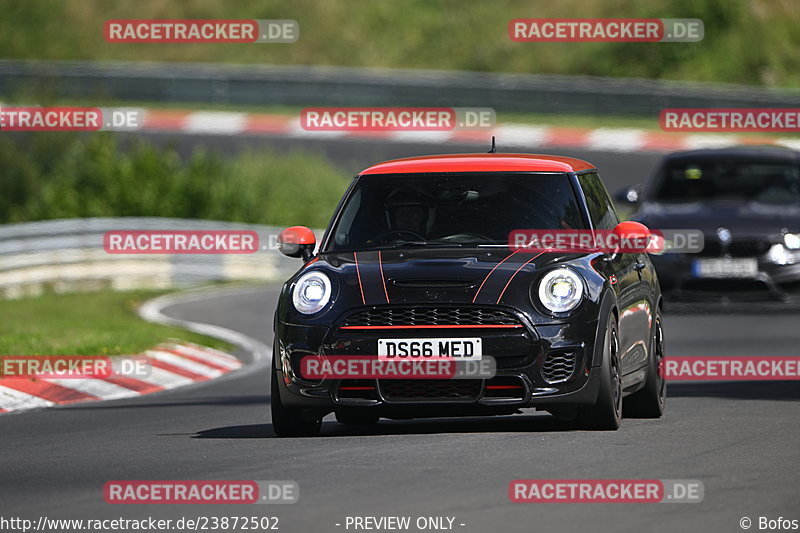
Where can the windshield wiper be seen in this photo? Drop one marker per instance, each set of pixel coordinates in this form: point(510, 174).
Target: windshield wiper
point(412, 244)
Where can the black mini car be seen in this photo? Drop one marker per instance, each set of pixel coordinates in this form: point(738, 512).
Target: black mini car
point(417, 257)
point(746, 201)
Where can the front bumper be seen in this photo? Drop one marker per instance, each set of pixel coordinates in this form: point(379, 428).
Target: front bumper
point(535, 367)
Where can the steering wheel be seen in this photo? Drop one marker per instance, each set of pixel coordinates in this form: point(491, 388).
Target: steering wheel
point(398, 234)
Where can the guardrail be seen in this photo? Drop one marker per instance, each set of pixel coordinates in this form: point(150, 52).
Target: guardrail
point(68, 255)
point(197, 83)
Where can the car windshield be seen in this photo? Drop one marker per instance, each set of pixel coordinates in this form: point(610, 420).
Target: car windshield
point(703, 181)
point(394, 211)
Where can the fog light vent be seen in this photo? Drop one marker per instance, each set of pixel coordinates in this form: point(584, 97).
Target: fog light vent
point(558, 367)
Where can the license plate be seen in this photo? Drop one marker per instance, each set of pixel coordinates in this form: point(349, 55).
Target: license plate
point(725, 268)
point(460, 348)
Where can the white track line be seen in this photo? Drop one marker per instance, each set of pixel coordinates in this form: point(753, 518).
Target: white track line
point(212, 356)
point(14, 400)
point(165, 379)
point(519, 135)
point(220, 122)
point(436, 137)
point(96, 387)
point(616, 140)
point(697, 141)
point(152, 312)
point(186, 364)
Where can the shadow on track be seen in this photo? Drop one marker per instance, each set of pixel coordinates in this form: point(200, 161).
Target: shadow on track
point(534, 423)
point(538, 423)
point(737, 390)
point(253, 431)
point(143, 402)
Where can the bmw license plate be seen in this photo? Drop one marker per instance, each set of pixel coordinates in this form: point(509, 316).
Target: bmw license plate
point(725, 268)
point(460, 348)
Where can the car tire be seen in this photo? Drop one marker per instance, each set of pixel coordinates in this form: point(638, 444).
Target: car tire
point(357, 417)
point(606, 413)
point(649, 402)
point(291, 421)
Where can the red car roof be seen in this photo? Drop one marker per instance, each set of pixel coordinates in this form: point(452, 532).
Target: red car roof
point(479, 163)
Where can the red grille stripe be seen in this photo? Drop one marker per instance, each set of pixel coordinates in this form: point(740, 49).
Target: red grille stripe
point(439, 326)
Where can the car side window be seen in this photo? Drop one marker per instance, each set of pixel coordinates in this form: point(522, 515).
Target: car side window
point(601, 208)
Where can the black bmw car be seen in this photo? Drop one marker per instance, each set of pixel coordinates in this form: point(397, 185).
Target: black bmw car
point(746, 201)
point(416, 262)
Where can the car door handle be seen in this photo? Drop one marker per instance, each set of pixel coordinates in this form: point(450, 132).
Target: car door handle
point(639, 266)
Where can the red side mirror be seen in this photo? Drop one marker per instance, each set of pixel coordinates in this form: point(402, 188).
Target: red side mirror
point(633, 237)
point(297, 241)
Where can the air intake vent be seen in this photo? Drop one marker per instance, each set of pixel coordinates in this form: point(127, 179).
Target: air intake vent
point(558, 367)
point(430, 389)
point(431, 316)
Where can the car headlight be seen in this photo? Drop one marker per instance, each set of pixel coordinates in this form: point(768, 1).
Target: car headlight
point(312, 292)
point(561, 290)
point(792, 241)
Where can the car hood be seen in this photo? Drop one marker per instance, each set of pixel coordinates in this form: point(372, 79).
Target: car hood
point(436, 275)
point(742, 219)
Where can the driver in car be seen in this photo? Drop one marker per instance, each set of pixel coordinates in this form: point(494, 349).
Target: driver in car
point(407, 215)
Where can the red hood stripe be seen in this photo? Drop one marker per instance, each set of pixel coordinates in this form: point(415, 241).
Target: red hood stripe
point(514, 274)
point(491, 271)
point(383, 279)
point(358, 274)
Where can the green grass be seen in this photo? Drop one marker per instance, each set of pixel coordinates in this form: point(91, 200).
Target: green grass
point(746, 41)
point(98, 323)
point(66, 175)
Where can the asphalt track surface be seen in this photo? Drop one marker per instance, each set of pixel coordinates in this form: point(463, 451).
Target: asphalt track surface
point(739, 438)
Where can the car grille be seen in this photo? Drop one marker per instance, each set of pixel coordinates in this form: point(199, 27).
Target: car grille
point(428, 389)
point(430, 316)
point(736, 248)
point(558, 367)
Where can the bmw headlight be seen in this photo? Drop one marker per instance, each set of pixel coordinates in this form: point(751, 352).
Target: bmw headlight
point(312, 292)
point(792, 241)
point(561, 290)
